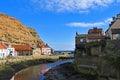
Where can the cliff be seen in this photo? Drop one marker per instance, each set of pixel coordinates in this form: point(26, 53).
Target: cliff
point(14, 32)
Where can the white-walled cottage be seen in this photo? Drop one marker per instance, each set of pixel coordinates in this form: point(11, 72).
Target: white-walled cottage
point(7, 50)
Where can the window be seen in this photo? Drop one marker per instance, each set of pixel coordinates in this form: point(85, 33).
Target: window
point(81, 40)
point(118, 36)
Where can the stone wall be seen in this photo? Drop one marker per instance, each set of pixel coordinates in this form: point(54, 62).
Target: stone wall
point(103, 67)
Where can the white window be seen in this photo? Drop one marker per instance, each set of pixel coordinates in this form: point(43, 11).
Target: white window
point(81, 40)
point(118, 36)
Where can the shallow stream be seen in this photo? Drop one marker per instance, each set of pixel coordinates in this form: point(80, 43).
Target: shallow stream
point(36, 72)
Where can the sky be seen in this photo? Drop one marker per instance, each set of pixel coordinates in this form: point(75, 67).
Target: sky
point(57, 21)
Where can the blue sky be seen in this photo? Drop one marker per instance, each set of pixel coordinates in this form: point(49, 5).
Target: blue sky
point(57, 21)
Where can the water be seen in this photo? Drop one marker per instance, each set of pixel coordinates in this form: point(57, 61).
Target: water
point(36, 72)
point(65, 51)
point(60, 51)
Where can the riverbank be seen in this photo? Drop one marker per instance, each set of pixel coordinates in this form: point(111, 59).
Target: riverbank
point(67, 72)
point(8, 70)
point(24, 58)
point(9, 66)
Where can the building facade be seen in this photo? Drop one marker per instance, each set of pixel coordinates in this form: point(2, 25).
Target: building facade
point(23, 50)
point(37, 52)
point(113, 32)
point(7, 50)
point(45, 49)
point(95, 34)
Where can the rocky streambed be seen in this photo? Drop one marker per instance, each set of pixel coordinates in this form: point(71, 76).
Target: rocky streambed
point(66, 72)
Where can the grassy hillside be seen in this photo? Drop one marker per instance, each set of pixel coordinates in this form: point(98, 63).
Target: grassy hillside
point(13, 31)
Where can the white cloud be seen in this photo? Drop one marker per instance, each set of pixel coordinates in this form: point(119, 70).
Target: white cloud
point(71, 5)
point(108, 20)
point(85, 24)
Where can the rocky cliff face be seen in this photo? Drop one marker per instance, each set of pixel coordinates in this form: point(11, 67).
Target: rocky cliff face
point(14, 32)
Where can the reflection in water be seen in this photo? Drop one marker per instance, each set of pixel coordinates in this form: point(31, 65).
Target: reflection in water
point(36, 72)
point(32, 73)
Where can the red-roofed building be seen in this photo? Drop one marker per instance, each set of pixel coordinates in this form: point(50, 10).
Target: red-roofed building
point(23, 50)
point(42, 48)
point(7, 50)
point(95, 34)
point(96, 31)
point(45, 49)
point(3, 51)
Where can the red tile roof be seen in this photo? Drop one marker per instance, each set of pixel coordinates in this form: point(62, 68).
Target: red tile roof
point(22, 47)
point(2, 46)
point(43, 46)
point(95, 30)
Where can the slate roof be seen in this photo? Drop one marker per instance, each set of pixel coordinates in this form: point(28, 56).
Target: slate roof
point(116, 23)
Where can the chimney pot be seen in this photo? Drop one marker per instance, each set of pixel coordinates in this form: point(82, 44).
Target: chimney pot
point(113, 18)
point(118, 15)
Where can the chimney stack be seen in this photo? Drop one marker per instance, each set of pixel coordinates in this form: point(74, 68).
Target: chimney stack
point(113, 18)
point(118, 16)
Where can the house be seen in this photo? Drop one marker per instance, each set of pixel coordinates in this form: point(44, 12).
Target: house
point(42, 48)
point(49, 50)
point(7, 50)
point(3, 51)
point(95, 34)
point(23, 50)
point(96, 31)
point(45, 49)
point(36, 51)
point(113, 32)
point(11, 50)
